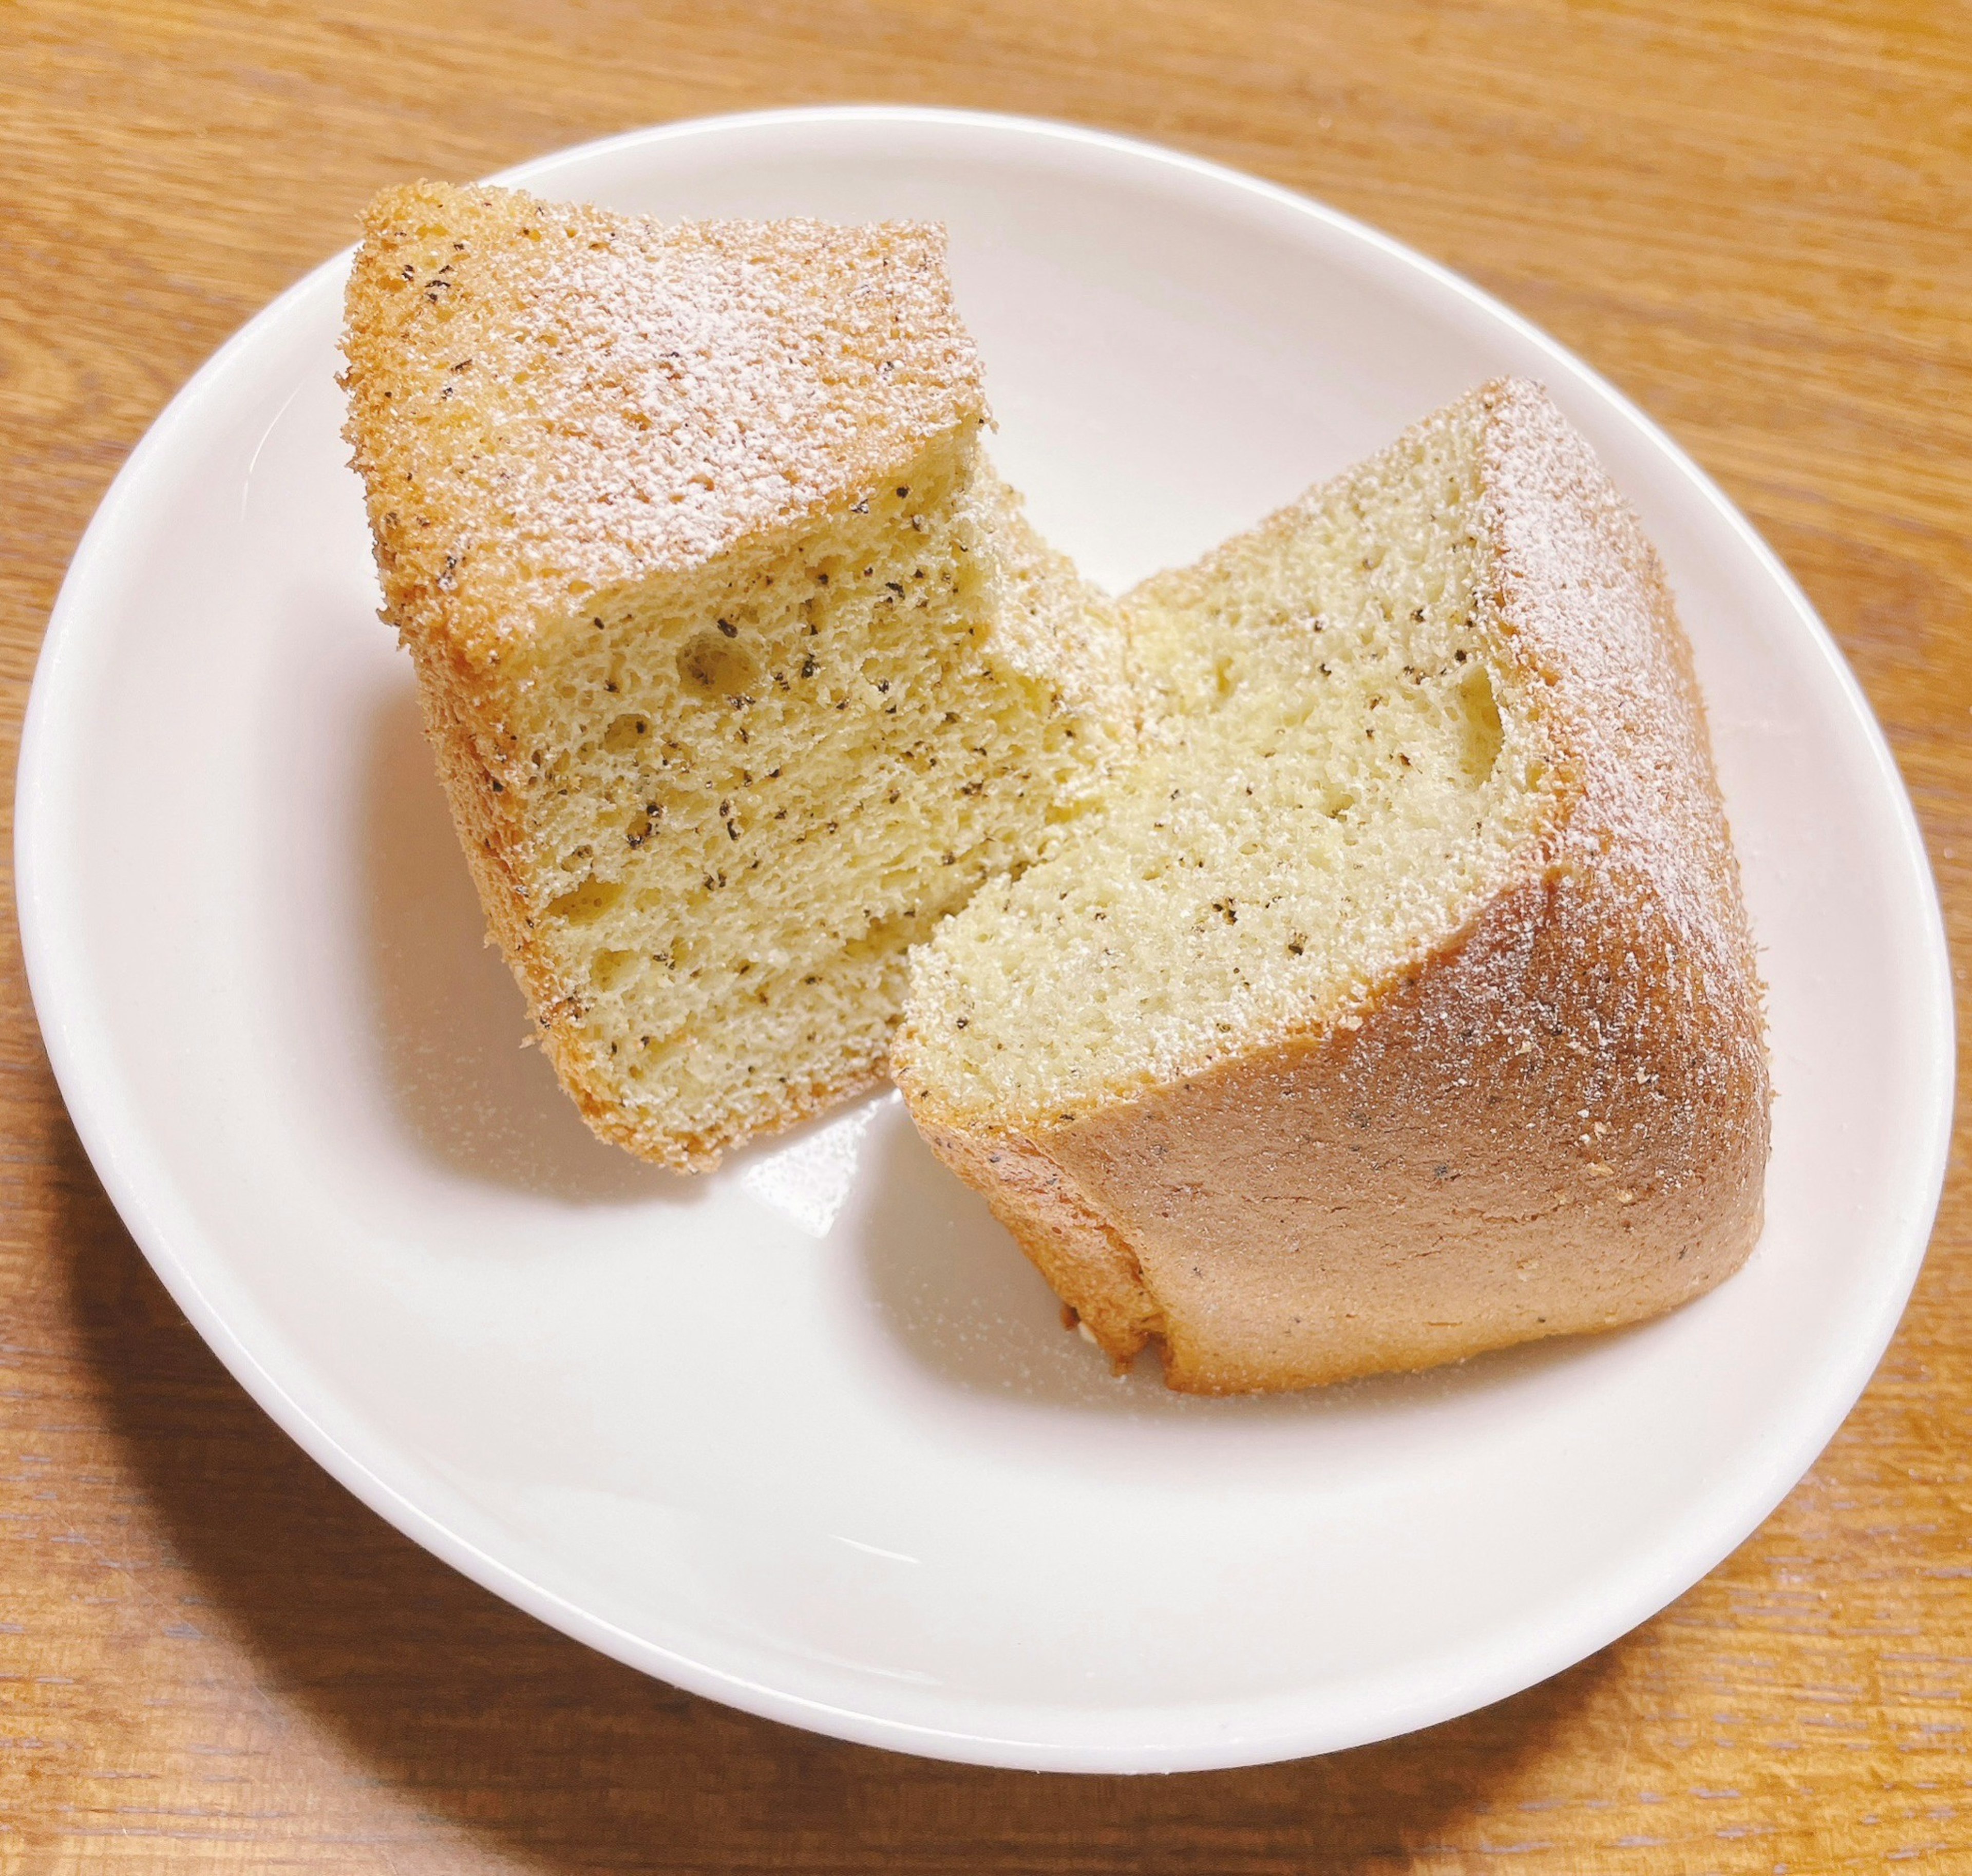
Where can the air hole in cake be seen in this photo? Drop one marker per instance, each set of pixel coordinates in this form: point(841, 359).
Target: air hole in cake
point(1483, 732)
point(712, 665)
point(624, 733)
point(586, 903)
point(611, 968)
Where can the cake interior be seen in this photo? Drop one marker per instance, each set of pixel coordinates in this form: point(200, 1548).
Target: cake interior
point(1347, 764)
point(809, 751)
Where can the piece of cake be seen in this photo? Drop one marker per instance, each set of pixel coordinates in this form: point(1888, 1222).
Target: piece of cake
point(1400, 1005)
point(742, 667)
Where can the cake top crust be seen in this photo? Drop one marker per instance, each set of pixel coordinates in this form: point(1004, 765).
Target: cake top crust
point(548, 401)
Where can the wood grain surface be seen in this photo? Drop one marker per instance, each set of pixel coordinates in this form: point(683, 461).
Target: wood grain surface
point(1752, 215)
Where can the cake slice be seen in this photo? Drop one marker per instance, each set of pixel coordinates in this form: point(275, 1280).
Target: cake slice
point(1401, 1004)
point(742, 667)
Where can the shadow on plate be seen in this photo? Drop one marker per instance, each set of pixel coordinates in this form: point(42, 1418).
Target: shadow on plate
point(475, 1731)
point(451, 1024)
point(953, 1290)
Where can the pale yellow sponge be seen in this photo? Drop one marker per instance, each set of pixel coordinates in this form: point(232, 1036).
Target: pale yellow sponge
point(1400, 1003)
point(741, 668)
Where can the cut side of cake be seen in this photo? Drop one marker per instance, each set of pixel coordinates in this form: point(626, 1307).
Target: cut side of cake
point(741, 667)
point(1400, 1003)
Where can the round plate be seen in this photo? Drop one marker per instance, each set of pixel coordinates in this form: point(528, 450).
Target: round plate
point(807, 1436)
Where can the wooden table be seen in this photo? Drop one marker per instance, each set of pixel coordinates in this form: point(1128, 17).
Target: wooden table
point(1754, 217)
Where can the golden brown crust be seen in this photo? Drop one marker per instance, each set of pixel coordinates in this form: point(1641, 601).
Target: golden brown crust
point(1088, 1265)
point(1450, 1177)
point(1556, 1121)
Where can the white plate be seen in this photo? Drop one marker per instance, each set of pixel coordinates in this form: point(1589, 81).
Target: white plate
point(806, 1436)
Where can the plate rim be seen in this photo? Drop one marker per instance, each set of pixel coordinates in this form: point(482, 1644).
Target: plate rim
point(130, 1172)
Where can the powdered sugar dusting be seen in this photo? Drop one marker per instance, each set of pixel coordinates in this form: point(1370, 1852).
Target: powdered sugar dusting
point(1646, 846)
point(583, 399)
point(1600, 1011)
